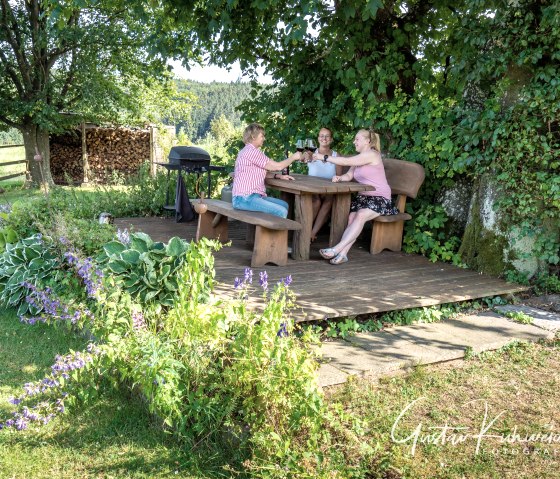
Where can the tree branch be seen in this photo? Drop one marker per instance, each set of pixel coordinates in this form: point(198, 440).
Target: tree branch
point(16, 43)
point(69, 79)
point(10, 123)
point(66, 45)
point(12, 74)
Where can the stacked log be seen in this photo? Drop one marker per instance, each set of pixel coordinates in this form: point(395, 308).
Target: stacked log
point(120, 150)
point(66, 158)
point(109, 151)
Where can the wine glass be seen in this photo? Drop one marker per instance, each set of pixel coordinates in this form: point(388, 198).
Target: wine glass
point(300, 146)
point(310, 145)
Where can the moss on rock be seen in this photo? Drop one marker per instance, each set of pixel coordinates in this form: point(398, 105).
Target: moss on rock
point(482, 248)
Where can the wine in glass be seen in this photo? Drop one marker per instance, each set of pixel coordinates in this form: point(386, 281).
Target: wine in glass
point(310, 145)
point(300, 146)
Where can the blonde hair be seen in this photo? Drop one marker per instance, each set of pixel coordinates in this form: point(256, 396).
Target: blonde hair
point(374, 139)
point(252, 131)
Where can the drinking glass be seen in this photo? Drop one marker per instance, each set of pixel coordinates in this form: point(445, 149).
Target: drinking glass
point(310, 145)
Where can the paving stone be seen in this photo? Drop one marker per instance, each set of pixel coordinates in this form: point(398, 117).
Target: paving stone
point(386, 346)
point(354, 360)
point(439, 343)
point(547, 301)
point(330, 376)
point(481, 332)
point(543, 319)
point(381, 353)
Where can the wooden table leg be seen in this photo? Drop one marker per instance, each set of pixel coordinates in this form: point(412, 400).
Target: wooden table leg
point(339, 217)
point(288, 198)
point(303, 213)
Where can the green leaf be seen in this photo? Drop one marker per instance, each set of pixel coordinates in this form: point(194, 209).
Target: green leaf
point(23, 309)
point(37, 264)
point(176, 247)
point(117, 266)
point(130, 256)
point(150, 295)
point(113, 248)
point(141, 242)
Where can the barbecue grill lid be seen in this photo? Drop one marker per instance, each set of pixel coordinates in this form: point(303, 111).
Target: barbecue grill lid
point(187, 153)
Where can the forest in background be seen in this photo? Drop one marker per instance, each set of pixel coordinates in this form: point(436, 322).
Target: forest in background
point(212, 100)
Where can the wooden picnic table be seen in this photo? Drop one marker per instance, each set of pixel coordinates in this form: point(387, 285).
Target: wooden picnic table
point(298, 194)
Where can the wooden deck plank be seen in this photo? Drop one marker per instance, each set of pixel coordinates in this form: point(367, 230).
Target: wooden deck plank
point(366, 284)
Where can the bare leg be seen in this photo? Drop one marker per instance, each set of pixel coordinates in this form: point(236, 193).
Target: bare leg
point(316, 203)
point(356, 222)
point(322, 216)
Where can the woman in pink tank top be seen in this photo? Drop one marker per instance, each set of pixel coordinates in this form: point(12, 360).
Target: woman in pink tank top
point(367, 168)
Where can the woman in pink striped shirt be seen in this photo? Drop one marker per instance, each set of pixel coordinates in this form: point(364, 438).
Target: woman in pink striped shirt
point(252, 166)
point(366, 167)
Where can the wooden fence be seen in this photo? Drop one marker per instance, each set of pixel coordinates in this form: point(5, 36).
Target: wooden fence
point(8, 163)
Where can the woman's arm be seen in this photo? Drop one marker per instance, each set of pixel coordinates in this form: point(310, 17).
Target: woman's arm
point(348, 176)
point(280, 165)
point(358, 160)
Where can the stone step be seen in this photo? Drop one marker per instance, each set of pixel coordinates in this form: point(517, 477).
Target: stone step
point(381, 353)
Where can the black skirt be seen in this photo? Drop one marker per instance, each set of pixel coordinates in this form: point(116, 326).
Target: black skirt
point(379, 204)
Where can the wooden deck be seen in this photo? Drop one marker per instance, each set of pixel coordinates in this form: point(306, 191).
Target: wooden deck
point(366, 284)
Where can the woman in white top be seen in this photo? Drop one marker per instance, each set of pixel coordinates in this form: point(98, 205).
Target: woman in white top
point(322, 204)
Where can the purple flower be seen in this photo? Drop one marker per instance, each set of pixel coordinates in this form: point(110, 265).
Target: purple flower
point(42, 301)
point(20, 424)
point(138, 321)
point(283, 331)
point(237, 283)
point(263, 281)
point(123, 236)
point(288, 280)
point(5, 208)
point(14, 401)
point(85, 269)
point(248, 275)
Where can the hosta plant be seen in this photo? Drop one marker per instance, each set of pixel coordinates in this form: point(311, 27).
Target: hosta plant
point(145, 268)
point(29, 261)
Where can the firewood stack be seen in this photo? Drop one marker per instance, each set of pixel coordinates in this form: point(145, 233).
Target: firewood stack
point(116, 149)
point(66, 158)
point(109, 150)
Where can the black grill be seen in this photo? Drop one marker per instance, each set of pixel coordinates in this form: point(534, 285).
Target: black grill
point(191, 158)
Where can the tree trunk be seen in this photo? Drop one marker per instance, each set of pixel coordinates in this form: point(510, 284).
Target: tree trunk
point(36, 141)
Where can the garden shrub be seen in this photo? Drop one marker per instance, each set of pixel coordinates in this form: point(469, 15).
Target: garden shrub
point(29, 261)
point(7, 233)
point(426, 234)
point(214, 372)
point(144, 268)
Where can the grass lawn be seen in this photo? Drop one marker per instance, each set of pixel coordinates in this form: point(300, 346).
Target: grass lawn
point(112, 438)
point(12, 154)
point(519, 387)
point(116, 438)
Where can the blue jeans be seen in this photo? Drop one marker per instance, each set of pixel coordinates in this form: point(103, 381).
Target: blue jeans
point(266, 204)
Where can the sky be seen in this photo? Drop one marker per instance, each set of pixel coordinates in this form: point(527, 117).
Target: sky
point(210, 73)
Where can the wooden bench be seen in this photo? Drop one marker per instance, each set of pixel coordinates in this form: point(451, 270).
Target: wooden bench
point(405, 179)
point(268, 233)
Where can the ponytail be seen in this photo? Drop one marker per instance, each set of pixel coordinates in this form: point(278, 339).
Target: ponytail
point(375, 140)
point(373, 137)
